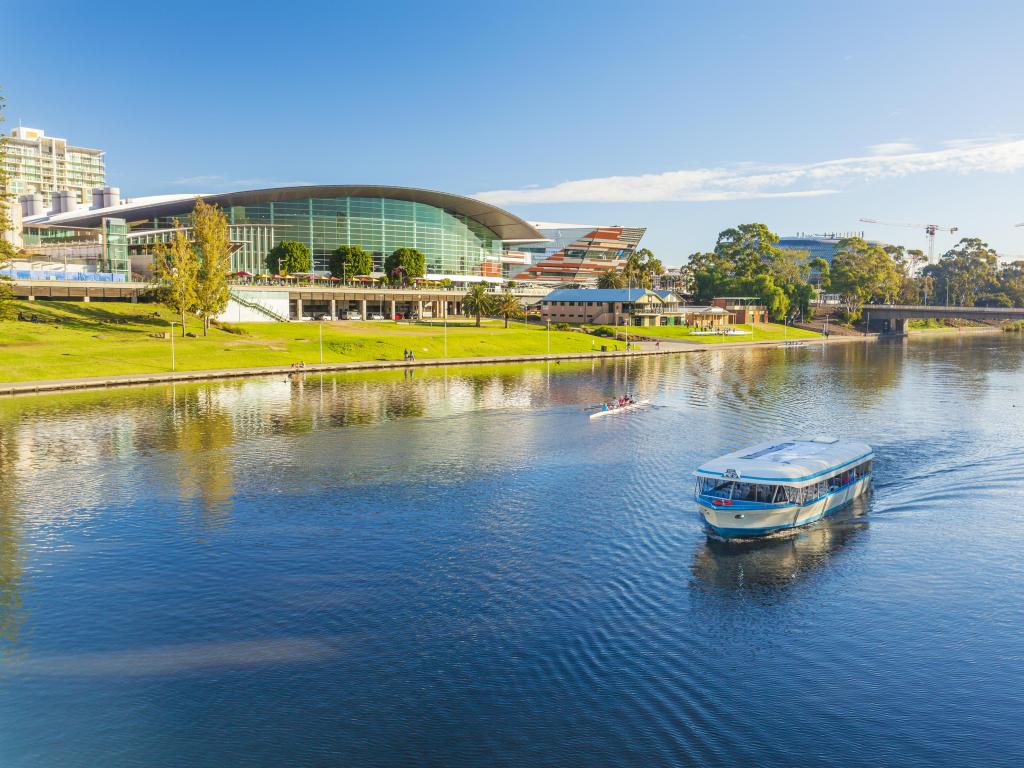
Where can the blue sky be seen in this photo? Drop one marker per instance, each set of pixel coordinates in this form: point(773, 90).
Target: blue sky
point(677, 116)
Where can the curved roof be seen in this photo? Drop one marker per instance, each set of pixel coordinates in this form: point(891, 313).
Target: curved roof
point(796, 461)
point(505, 225)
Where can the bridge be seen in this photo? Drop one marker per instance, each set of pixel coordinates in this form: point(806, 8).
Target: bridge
point(892, 318)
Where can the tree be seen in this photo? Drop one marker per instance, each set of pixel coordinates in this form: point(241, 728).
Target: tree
point(863, 273)
point(478, 301)
point(612, 278)
point(176, 269)
point(1011, 282)
point(508, 306)
point(213, 246)
point(288, 257)
point(348, 261)
point(747, 247)
point(642, 267)
point(824, 274)
point(969, 268)
point(405, 264)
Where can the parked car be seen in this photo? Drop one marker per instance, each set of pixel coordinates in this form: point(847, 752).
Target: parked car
point(376, 316)
point(307, 317)
point(353, 315)
point(325, 316)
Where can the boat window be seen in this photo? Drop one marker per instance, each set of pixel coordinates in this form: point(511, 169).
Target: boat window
point(721, 489)
point(743, 492)
point(793, 495)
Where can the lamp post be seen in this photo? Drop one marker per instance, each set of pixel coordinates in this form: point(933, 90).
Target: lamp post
point(549, 333)
point(172, 345)
point(445, 315)
point(321, 342)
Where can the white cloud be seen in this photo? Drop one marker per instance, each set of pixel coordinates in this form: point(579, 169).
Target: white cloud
point(892, 148)
point(746, 181)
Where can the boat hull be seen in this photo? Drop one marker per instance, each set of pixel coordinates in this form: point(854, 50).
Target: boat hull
point(731, 521)
point(621, 409)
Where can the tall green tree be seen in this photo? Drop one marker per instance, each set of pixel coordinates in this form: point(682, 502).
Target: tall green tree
point(348, 261)
point(970, 269)
point(824, 274)
point(213, 245)
point(612, 278)
point(508, 306)
point(642, 268)
point(747, 247)
point(1011, 282)
point(289, 257)
point(405, 264)
point(478, 301)
point(176, 271)
point(862, 273)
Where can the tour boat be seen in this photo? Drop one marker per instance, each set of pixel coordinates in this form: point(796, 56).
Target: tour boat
point(621, 409)
point(781, 484)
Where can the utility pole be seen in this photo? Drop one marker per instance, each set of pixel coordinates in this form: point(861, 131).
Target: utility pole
point(172, 345)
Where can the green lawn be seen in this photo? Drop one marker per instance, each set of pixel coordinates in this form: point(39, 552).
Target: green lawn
point(766, 332)
point(106, 338)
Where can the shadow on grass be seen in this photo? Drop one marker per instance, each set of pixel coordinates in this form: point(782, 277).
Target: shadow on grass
point(83, 316)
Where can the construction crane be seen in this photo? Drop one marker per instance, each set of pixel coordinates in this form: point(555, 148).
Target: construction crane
point(929, 229)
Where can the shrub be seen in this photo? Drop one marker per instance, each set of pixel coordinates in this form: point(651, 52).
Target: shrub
point(229, 328)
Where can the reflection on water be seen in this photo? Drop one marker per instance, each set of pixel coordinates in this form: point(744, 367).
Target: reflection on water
point(778, 561)
point(456, 567)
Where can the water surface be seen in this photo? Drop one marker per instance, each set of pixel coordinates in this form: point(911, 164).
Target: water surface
point(458, 568)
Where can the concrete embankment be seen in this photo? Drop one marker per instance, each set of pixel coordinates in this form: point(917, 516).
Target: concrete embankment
point(135, 379)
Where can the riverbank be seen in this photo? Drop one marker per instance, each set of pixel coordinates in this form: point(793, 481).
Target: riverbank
point(952, 331)
point(72, 340)
point(57, 344)
point(126, 380)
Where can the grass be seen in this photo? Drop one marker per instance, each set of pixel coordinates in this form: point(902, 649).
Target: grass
point(949, 324)
point(764, 332)
point(81, 339)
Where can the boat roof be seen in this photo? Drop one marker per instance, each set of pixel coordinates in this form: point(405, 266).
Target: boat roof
point(796, 461)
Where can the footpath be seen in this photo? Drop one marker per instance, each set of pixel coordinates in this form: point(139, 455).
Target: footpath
point(642, 349)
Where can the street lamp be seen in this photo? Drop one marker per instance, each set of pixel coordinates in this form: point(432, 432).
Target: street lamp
point(172, 345)
point(321, 342)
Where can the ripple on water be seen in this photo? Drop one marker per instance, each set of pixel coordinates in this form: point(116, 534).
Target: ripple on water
point(460, 568)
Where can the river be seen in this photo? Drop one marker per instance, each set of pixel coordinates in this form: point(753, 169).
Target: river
point(459, 568)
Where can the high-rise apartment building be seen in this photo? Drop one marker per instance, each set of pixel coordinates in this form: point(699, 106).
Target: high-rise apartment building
point(41, 164)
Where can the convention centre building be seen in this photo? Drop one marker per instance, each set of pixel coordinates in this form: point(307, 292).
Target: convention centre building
point(462, 238)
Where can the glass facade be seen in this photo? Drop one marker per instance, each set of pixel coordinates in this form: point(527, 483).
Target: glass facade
point(453, 243)
point(115, 247)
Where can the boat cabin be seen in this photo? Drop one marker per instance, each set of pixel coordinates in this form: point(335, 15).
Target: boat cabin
point(790, 472)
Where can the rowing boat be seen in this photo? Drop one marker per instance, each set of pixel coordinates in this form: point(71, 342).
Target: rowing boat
point(620, 409)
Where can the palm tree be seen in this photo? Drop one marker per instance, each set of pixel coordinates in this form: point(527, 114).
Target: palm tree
point(478, 301)
point(642, 267)
point(509, 306)
point(613, 278)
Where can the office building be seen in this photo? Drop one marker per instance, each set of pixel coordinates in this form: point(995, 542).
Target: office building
point(38, 164)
